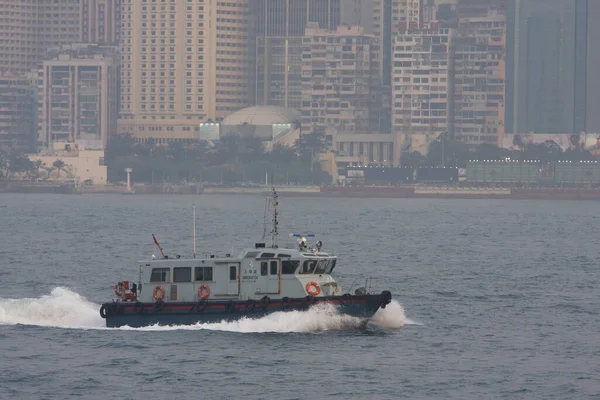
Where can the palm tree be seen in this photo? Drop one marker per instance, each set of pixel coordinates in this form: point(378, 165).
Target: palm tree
point(59, 165)
point(37, 165)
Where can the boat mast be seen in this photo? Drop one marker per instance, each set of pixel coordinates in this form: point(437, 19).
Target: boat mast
point(274, 221)
point(194, 227)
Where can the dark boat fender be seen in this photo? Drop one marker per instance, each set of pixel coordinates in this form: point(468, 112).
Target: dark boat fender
point(104, 310)
point(230, 306)
point(385, 298)
point(138, 307)
point(264, 302)
point(200, 305)
point(250, 304)
point(159, 305)
point(285, 303)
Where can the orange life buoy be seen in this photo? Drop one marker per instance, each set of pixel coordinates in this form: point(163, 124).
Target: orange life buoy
point(311, 291)
point(203, 292)
point(162, 293)
point(117, 291)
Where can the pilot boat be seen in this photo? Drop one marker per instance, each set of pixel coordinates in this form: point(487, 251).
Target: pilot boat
point(258, 281)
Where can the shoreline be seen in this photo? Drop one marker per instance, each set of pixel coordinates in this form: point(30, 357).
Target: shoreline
point(401, 192)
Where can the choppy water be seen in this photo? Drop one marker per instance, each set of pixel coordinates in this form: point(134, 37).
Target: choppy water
point(494, 299)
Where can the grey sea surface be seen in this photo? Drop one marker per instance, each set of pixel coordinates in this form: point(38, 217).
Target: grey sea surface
point(492, 299)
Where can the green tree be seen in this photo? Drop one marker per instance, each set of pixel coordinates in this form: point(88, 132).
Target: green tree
point(310, 145)
point(120, 145)
point(58, 165)
point(19, 163)
point(37, 165)
point(413, 159)
point(488, 151)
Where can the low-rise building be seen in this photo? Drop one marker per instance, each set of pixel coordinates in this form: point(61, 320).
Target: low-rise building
point(76, 163)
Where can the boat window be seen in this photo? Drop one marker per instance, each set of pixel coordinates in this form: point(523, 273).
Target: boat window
point(308, 267)
point(182, 274)
point(263, 268)
point(267, 255)
point(251, 254)
point(289, 266)
point(281, 255)
point(321, 266)
point(203, 274)
point(273, 267)
point(233, 273)
point(331, 266)
point(160, 275)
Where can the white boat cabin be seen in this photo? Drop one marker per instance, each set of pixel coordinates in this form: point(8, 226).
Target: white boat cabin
point(253, 274)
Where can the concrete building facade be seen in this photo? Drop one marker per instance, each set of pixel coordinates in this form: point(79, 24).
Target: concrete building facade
point(552, 58)
point(277, 30)
point(17, 112)
point(79, 95)
point(80, 164)
point(422, 85)
point(183, 63)
point(100, 21)
point(29, 27)
point(358, 13)
point(479, 79)
point(387, 17)
point(336, 77)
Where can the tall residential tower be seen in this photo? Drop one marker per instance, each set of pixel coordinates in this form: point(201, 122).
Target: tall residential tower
point(30, 27)
point(277, 34)
point(183, 63)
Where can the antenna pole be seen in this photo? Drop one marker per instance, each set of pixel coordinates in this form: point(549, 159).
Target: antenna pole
point(275, 222)
point(194, 227)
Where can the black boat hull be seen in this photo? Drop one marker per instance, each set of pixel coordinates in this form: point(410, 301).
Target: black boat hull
point(138, 314)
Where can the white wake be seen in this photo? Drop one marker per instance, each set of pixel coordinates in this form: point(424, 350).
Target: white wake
point(61, 308)
point(64, 308)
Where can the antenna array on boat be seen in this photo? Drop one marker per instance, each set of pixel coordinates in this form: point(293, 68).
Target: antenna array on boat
point(194, 227)
point(274, 222)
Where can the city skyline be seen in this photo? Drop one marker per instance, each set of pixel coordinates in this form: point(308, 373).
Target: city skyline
point(507, 67)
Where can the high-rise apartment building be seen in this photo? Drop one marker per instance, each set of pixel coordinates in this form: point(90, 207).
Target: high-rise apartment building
point(552, 66)
point(336, 77)
point(17, 111)
point(183, 63)
point(358, 13)
point(79, 95)
point(29, 27)
point(479, 79)
point(422, 85)
point(278, 28)
point(387, 17)
point(100, 21)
